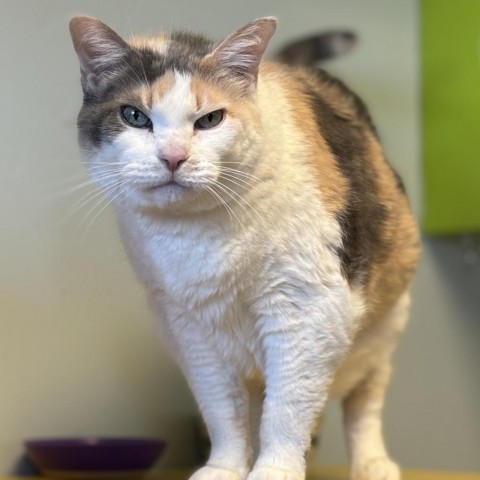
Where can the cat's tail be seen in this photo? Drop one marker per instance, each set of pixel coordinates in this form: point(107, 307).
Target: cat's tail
point(311, 50)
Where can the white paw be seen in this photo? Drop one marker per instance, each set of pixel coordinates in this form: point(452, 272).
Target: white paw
point(381, 468)
point(270, 473)
point(215, 473)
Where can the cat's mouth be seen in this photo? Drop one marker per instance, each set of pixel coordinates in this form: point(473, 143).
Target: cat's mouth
point(157, 186)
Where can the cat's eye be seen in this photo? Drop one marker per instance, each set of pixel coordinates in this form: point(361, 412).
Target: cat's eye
point(134, 117)
point(210, 120)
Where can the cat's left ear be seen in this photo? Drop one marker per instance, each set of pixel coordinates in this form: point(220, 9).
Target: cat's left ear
point(240, 53)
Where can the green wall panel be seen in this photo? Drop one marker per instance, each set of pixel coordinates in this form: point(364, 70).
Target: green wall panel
point(451, 113)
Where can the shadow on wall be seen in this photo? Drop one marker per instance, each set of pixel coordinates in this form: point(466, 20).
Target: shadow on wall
point(457, 259)
point(463, 266)
point(457, 263)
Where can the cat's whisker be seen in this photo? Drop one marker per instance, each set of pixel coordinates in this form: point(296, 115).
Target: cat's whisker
point(235, 163)
point(75, 188)
point(96, 162)
point(238, 182)
point(121, 189)
point(62, 191)
point(227, 205)
point(237, 197)
point(104, 197)
point(99, 175)
point(87, 201)
point(240, 172)
point(234, 179)
point(91, 196)
point(93, 181)
point(93, 172)
point(103, 167)
point(64, 186)
point(221, 200)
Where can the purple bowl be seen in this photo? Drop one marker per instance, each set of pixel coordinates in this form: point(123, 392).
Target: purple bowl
point(93, 454)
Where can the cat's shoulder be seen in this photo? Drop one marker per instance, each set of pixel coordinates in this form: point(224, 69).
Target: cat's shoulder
point(320, 90)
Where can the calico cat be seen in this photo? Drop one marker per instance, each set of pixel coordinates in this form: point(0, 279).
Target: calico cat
point(274, 241)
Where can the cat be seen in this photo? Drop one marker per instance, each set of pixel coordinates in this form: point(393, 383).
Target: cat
point(275, 243)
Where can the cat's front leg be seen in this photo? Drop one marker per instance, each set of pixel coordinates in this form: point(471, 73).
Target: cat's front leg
point(223, 400)
point(300, 359)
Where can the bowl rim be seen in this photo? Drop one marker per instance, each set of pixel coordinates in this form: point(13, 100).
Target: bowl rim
point(93, 441)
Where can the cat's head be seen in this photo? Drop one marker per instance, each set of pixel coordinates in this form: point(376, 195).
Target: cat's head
point(167, 120)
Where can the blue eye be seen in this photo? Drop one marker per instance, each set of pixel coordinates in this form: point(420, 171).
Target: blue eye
point(210, 120)
point(134, 117)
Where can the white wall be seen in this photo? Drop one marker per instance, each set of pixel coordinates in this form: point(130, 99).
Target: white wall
point(78, 353)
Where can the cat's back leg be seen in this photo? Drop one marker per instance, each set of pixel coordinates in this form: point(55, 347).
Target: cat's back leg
point(363, 405)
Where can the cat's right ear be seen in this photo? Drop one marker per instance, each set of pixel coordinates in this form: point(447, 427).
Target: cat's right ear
point(239, 55)
point(99, 51)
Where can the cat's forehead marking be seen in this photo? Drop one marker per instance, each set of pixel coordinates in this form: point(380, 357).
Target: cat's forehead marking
point(157, 44)
point(207, 97)
point(161, 86)
point(176, 103)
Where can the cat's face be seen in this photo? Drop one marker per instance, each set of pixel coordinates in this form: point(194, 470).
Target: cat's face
point(168, 122)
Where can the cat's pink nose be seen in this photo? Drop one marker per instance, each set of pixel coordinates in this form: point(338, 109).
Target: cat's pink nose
point(173, 159)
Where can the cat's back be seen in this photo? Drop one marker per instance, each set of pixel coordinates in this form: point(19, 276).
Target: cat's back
point(356, 184)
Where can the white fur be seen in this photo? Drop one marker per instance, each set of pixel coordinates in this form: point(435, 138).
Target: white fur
point(252, 290)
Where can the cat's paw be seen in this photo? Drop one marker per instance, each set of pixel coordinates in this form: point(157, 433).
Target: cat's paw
point(215, 473)
point(381, 468)
point(270, 473)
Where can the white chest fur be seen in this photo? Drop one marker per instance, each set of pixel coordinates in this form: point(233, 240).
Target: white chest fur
point(192, 262)
point(199, 274)
point(209, 271)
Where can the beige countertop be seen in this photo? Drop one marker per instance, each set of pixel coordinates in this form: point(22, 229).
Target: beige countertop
point(316, 473)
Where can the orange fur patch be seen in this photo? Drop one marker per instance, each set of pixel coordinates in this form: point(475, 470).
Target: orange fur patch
point(208, 97)
point(158, 43)
point(211, 97)
point(161, 86)
point(332, 186)
point(390, 278)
